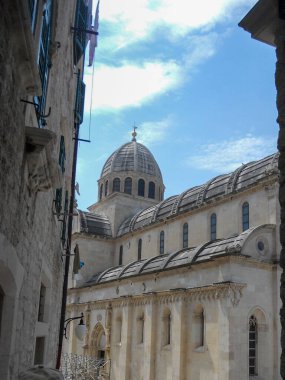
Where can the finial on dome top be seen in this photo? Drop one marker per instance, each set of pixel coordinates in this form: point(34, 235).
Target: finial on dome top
point(134, 132)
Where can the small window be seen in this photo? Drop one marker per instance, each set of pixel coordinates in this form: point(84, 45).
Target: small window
point(79, 100)
point(151, 190)
point(61, 158)
point(42, 303)
point(213, 227)
point(199, 327)
point(128, 185)
point(252, 346)
point(141, 185)
point(64, 221)
point(101, 191)
point(2, 295)
point(39, 350)
point(245, 216)
point(118, 330)
point(121, 255)
point(116, 184)
point(106, 188)
point(139, 249)
point(140, 329)
point(161, 243)
point(185, 235)
point(166, 325)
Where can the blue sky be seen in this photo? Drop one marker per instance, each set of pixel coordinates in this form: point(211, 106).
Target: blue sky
point(199, 89)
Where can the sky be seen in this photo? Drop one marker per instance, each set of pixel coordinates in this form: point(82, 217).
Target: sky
point(200, 90)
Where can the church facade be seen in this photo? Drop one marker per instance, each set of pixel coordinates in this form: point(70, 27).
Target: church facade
point(181, 288)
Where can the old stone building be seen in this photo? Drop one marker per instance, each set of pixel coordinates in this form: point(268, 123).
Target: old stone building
point(181, 288)
point(41, 66)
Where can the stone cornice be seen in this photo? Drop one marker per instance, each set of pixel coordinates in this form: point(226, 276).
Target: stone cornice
point(212, 292)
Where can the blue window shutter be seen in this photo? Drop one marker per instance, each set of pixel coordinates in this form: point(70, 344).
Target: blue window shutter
point(79, 39)
point(79, 101)
point(61, 159)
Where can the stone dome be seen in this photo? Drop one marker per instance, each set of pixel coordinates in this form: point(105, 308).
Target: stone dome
point(132, 157)
point(131, 171)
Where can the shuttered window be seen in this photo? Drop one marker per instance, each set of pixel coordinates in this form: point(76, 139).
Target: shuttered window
point(61, 158)
point(44, 60)
point(79, 101)
point(58, 200)
point(65, 219)
point(79, 38)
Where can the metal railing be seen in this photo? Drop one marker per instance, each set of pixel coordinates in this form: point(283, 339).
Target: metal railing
point(81, 367)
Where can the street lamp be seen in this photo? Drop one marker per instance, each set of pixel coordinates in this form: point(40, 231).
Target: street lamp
point(80, 329)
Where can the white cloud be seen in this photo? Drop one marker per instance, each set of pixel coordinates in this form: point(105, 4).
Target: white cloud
point(130, 84)
point(133, 20)
point(153, 131)
point(226, 156)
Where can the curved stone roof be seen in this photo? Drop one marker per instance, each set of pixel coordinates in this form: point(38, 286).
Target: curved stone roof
point(185, 257)
point(242, 178)
point(94, 224)
point(132, 156)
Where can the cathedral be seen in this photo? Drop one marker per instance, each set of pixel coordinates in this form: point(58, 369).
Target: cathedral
point(180, 288)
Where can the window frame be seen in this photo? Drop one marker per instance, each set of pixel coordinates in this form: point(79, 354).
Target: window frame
point(185, 235)
point(151, 190)
point(245, 216)
point(128, 184)
point(161, 242)
point(139, 249)
point(252, 341)
point(121, 253)
point(141, 187)
point(213, 226)
point(116, 185)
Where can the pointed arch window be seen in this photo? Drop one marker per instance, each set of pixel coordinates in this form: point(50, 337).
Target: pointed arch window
point(121, 255)
point(116, 184)
point(106, 188)
point(185, 235)
point(213, 226)
point(128, 185)
point(166, 325)
point(161, 242)
point(141, 186)
point(245, 216)
point(139, 249)
point(151, 190)
point(101, 191)
point(252, 346)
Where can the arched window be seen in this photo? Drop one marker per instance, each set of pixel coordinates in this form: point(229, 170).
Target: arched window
point(139, 249)
point(128, 185)
point(101, 191)
point(199, 327)
point(252, 346)
point(118, 329)
point(161, 242)
point(213, 226)
point(116, 184)
point(185, 235)
point(141, 187)
point(151, 190)
point(106, 188)
point(121, 255)
point(166, 326)
point(140, 328)
point(245, 216)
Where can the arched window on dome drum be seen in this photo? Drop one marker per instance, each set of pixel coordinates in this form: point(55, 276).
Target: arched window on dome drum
point(213, 226)
point(161, 242)
point(185, 235)
point(128, 185)
point(106, 188)
point(252, 346)
point(101, 191)
point(141, 187)
point(116, 184)
point(121, 255)
point(245, 216)
point(139, 249)
point(151, 190)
